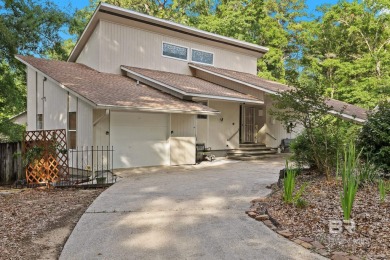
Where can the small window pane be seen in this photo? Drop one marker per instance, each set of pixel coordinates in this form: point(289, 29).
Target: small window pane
point(72, 120)
point(39, 121)
point(202, 57)
point(72, 139)
point(175, 51)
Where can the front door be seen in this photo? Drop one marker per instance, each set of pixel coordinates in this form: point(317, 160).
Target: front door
point(247, 124)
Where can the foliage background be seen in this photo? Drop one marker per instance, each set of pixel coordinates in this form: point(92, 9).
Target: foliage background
point(342, 48)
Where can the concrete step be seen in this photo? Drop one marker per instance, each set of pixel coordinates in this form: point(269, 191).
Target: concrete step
point(251, 158)
point(252, 152)
point(251, 145)
point(255, 148)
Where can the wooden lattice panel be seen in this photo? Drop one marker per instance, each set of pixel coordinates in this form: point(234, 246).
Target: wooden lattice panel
point(47, 156)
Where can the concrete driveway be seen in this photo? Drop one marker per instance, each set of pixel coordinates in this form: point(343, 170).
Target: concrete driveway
point(194, 212)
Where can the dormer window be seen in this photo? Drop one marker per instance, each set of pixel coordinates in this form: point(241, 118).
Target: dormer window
point(174, 51)
point(202, 57)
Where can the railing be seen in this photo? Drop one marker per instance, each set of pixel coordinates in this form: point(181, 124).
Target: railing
point(230, 138)
point(273, 137)
point(90, 166)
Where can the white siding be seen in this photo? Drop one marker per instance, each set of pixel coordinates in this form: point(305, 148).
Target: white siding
point(31, 100)
point(276, 128)
point(40, 94)
point(101, 127)
point(91, 52)
point(220, 131)
point(139, 139)
point(183, 125)
point(55, 106)
point(124, 45)
point(84, 124)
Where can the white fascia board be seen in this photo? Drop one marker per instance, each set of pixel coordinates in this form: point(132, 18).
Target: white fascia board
point(154, 110)
point(86, 29)
point(346, 116)
point(89, 102)
point(183, 93)
point(241, 100)
point(234, 80)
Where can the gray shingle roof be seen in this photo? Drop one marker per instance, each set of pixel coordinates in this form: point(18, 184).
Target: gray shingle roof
point(275, 87)
point(192, 86)
point(111, 90)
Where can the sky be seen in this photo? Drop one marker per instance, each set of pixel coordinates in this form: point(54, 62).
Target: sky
point(82, 3)
point(71, 5)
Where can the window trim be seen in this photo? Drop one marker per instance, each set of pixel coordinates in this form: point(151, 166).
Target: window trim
point(165, 56)
point(203, 62)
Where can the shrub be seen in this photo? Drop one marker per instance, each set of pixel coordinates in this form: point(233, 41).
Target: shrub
point(374, 138)
point(350, 181)
point(367, 171)
point(318, 148)
point(289, 185)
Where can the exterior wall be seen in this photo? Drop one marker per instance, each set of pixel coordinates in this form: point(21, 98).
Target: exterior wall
point(84, 124)
point(31, 99)
point(275, 128)
point(139, 139)
point(230, 84)
point(124, 45)
point(55, 107)
point(90, 55)
point(101, 126)
point(221, 131)
point(183, 125)
point(182, 140)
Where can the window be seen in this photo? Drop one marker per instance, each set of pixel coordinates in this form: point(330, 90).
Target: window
point(72, 124)
point(39, 121)
point(174, 51)
point(202, 57)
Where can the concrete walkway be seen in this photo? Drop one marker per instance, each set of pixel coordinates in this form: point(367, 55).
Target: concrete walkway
point(194, 212)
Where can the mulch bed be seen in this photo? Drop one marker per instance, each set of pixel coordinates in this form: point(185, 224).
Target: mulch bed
point(371, 238)
point(30, 216)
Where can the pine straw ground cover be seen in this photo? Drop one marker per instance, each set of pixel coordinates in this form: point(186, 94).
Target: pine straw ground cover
point(35, 223)
point(371, 239)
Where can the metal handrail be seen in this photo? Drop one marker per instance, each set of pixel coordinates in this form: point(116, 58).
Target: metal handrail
point(233, 135)
point(273, 137)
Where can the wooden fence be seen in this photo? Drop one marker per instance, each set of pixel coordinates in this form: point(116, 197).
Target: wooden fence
point(11, 167)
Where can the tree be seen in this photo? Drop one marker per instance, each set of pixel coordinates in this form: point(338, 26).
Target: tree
point(374, 138)
point(347, 47)
point(323, 134)
point(27, 28)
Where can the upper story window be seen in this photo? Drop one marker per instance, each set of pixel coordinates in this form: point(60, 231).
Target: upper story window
point(175, 51)
point(202, 57)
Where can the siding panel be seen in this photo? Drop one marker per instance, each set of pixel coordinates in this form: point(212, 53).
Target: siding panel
point(31, 100)
point(220, 131)
point(124, 45)
point(55, 105)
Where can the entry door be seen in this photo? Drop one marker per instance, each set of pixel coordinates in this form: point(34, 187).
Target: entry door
point(248, 124)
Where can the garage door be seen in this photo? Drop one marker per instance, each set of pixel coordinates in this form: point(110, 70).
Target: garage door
point(139, 139)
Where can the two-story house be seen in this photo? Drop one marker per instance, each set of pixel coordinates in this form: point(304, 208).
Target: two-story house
point(152, 89)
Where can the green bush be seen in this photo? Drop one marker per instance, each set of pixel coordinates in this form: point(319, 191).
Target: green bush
point(318, 148)
point(374, 138)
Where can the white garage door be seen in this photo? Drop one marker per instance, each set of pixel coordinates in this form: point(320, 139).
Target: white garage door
point(139, 139)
